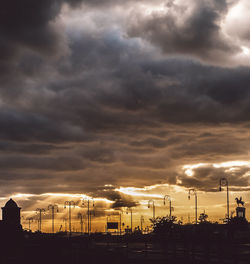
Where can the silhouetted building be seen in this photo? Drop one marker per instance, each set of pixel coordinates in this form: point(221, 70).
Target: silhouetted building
point(10, 231)
point(11, 218)
point(11, 214)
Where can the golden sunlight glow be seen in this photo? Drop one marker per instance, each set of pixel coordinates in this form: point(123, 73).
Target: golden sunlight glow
point(189, 172)
point(76, 195)
point(189, 168)
point(229, 164)
point(136, 192)
point(25, 196)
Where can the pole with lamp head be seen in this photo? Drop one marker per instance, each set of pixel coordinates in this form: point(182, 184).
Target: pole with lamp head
point(89, 213)
point(53, 208)
point(170, 203)
point(40, 211)
point(193, 192)
point(153, 206)
point(224, 182)
point(69, 204)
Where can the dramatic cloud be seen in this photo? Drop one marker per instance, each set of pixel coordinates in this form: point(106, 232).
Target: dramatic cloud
point(206, 176)
point(197, 29)
point(122, 94)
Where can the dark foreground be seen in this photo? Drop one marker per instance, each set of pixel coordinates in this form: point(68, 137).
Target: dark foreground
point(186, 245)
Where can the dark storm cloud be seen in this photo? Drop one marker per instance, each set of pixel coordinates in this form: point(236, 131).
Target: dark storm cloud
point(59, 163)
point(25, 126)
point(30, 24)
point(36, 149)
point(155, 142)
point(104, 108)
point(97, 153)
point(196, 33)
point(126, 92)
point(26, 23)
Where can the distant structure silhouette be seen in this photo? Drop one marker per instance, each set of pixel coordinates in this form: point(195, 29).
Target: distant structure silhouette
point(239, 201)
point(11, 216)
point(240, 210)
point(10, 230)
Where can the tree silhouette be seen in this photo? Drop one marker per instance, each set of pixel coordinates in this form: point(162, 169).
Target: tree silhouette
point(203, 218)
point(163, 225)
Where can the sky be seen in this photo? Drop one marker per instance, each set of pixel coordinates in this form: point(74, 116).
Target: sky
point(124, 102)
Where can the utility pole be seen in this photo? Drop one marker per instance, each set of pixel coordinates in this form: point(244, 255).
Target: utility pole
point(153, 204)
point(69, 204)
point(193, 192)
point(40, 211)
point(89, 214)
point(224, 182)
point(53, 207)
point(170, 203)
point(29, 221)
point(80, 216)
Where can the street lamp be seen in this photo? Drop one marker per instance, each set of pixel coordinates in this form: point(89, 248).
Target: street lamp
point(65, 224)
point(80, 216)
point(30, 220)
point(121, 222)
point(40, 211)
point(53, 207)
point(142, 221)
point(193, 192)
point(224, 182)
point(170, 203)
point(153, 204)
point(131, 217)
point(69, 203)
point(89, 213)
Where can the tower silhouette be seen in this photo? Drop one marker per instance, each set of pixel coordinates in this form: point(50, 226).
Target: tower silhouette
point(11, 214)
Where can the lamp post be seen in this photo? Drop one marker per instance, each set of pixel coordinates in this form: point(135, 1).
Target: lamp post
point(153, 205)
point(170, 203)
point(131, 217)
point(30, 220)
point(80, 216)
point(40, 211)
point(69, 204)
point(53, 207)
point(120, 222)
point(89, 213)
point(224, 182)
point(65, 224)
point(193, 192)
point(142, 221)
